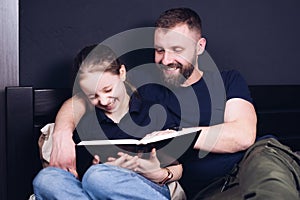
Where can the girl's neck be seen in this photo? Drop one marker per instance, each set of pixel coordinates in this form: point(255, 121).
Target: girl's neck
point(121, 112)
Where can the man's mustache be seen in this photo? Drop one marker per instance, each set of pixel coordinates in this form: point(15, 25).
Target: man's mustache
point(171, 65)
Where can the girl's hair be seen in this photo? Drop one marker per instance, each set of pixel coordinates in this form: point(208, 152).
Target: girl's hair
point(98, 58)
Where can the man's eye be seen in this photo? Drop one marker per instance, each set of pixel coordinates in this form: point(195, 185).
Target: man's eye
point(107, 91)
point(177, 49)
point(159, 50)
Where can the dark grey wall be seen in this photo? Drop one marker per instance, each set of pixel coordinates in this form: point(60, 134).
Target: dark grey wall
point(9, 72)
point(260, 38)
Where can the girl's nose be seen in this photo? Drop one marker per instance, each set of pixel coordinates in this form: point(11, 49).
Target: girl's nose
point(102, 101)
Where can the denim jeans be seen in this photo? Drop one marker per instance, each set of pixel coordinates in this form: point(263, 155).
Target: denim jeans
point(99, 182)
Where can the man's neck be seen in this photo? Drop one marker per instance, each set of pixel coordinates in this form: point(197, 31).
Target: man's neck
point(195, 77)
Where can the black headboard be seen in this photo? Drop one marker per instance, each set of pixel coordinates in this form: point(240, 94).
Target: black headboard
point(278, 112)
point(28, 109)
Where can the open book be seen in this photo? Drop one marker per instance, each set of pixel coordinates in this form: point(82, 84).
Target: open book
point(169, 146)
point(143, 141)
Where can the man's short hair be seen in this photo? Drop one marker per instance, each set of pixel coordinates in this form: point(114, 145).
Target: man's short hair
point(172, 17)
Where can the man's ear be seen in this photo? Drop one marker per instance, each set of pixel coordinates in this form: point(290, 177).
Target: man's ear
point(122, 71)
point(201, 46)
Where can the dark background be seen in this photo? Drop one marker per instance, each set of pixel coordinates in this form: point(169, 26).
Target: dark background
point(259, 38)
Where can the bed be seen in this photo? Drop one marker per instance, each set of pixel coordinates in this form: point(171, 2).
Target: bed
point(28, 109)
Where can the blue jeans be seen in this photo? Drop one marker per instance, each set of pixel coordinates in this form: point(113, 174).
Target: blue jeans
point(99, 182)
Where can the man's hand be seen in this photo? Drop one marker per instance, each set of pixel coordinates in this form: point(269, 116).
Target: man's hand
point(63, 148)
point(157, 133)
point(63, 153)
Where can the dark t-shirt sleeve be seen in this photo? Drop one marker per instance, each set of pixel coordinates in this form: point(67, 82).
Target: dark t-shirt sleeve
point(235, 85)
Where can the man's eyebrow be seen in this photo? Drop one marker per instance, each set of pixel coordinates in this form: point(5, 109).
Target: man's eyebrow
point(106, 87)
point(176, 46)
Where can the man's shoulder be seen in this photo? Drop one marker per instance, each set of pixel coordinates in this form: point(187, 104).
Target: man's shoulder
point(232, 77)
point(223, 75)
point(229, 74)
point(235, 85)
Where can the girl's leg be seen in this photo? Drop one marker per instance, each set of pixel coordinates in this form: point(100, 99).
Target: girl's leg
point(110, 182)
point(56, 183)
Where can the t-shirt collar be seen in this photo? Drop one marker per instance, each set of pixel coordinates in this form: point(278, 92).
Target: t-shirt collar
point(135, 105)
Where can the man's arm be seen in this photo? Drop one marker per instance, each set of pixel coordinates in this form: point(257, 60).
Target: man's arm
point(63, 146)
point(237, 133)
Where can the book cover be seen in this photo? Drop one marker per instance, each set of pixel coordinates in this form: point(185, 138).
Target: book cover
point(143, 141)
point(169, 146)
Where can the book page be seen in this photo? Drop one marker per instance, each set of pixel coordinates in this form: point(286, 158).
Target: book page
point(169, 135)
point(143, 141)
point(109, 142)
point(169, 147)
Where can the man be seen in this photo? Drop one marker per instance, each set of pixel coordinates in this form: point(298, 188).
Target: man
point(178, 43)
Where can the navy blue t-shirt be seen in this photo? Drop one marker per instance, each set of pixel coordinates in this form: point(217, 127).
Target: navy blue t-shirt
point(135, 124)
point(201, 104)
point(141, 119)
point(210, 93)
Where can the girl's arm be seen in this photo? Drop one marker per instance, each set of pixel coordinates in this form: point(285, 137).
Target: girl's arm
point(149, 168)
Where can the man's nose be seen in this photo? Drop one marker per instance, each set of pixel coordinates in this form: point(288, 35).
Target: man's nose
point(168, 58)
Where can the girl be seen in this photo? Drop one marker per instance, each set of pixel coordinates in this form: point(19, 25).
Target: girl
point(121, 114)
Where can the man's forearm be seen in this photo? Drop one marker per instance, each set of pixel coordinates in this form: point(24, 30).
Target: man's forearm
point(225, 138)
point(63, 147)
point(237, 132)
point(69, 115)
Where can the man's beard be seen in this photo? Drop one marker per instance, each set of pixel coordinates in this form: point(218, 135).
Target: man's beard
point(176, 80)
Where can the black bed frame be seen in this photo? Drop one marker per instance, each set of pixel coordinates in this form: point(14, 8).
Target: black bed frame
point(28, 109)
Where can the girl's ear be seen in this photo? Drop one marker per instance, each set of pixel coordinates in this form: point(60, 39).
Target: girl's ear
point(201, 46)
point(122, 71)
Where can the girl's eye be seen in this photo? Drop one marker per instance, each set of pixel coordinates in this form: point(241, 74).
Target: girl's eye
point(92, 98)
